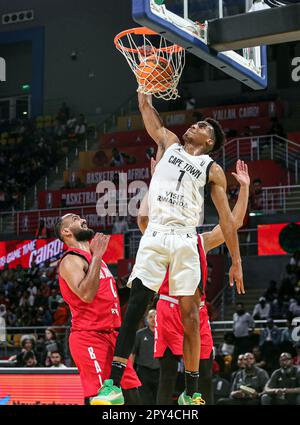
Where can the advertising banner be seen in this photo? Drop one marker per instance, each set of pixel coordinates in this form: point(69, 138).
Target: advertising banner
point(224, 114)
point(39, 389)
point(40, 250)
point(88, 196)
point(268, 239)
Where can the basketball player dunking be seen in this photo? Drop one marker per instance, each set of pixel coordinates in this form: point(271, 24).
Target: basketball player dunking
point(168, 328)
point(89, 289)
point(175, 209)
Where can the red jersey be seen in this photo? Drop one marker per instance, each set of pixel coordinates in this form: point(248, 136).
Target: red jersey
point(103, 313)
point(164, 289)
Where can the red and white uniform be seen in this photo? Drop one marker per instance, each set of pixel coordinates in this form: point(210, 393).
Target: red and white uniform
point(169, 329)
point(94, 331)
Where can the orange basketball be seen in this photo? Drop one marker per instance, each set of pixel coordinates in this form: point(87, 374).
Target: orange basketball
point(155, 74)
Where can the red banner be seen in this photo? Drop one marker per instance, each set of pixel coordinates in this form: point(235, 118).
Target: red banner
point(40, 250)
point(88, 196)
point(228, 115)
point(244, 111)
point(40, 389)
point(268, 239)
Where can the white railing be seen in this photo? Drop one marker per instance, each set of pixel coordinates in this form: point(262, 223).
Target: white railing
point(254, 148)
point(246, 148)
point(282, 199)
point(221, 326)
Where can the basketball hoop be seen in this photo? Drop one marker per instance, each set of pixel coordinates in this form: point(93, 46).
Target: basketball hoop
point(156, 63)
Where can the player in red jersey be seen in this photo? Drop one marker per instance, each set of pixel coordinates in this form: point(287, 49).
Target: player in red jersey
point(90, 290)
point(169, 330)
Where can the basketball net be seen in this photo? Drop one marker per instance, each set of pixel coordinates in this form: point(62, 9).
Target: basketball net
point(167, 61)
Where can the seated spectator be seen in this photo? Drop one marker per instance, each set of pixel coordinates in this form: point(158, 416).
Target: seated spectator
point(42, 317)
point(121, 158)
point(29, 359)
point(272, 291)
point(27, 344)
point(247, 385)
point(280, 308)
point(27, 299)
point(295, 307)
point(283, 388)
point(256, 197)
point(259, 359)
point(261, 310)
point(11, 317)
point(240, 366)
point(221, 386)
point(269, 344)
point(56, 360)
point(100, 159)
point(51, 343)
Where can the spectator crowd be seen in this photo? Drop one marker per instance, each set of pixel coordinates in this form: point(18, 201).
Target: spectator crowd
point(31, 148)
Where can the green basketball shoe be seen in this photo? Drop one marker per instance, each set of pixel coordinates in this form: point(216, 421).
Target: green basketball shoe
point(108, 394)
point(186, 399)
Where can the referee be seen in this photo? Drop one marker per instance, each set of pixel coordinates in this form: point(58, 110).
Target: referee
point(147, 366)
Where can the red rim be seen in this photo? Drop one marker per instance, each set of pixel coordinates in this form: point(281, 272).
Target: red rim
point(174, 48)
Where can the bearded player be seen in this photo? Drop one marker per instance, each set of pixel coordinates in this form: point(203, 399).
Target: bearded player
point(89, 289)
point(175, 210)
point(168, 329)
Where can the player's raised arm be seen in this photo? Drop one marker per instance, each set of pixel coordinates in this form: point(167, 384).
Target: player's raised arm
point(218, 193)
point(215, 237)
point(153, 123)
point(84, 280)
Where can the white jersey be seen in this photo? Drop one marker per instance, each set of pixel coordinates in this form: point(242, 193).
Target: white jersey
point(176, 192)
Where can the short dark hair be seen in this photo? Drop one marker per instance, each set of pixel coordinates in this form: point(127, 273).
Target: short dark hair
point(219, 135)
point(56, 352)
point(28, 355)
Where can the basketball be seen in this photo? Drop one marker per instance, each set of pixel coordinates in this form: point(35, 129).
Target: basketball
point(155, 74)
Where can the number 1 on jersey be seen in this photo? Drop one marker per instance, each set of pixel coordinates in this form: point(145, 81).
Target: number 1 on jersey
point(179, 179)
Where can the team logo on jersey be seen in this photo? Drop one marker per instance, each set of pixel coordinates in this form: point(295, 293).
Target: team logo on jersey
point(105, 272)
